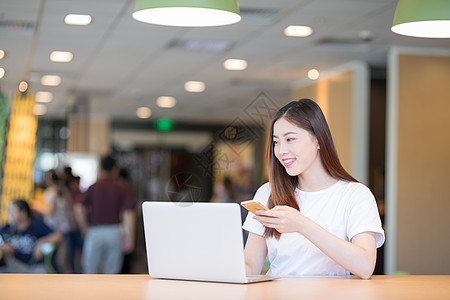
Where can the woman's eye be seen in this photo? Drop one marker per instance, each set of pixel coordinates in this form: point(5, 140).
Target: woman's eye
point(290, 140)
point(275, 142)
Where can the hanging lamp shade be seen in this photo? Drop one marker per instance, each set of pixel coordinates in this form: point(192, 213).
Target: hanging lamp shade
point(189, 13)
point(422, 18)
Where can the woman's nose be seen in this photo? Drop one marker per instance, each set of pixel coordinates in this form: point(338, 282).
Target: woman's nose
point(281, 148)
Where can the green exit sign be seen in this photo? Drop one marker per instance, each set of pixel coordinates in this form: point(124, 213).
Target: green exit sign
point(164, 125)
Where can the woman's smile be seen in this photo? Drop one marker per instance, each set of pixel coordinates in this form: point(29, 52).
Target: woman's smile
point(288, 161)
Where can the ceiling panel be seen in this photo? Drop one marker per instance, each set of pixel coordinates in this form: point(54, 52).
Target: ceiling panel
point(121, 64)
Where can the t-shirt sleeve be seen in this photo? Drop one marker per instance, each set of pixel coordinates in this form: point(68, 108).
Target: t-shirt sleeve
point(250, 224)
point(363, 215)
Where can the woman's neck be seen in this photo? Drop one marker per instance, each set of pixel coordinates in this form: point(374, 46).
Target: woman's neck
point(23, 226)
point(315, 182)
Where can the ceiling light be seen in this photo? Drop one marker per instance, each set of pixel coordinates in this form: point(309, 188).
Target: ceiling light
point(2, 53)
point(166, 101)
point(235, 64)
point(143, 112)
point(61, 56)
point(2, 72)
point(187, 13)
point(418, 18)
point(50, 80)
point(73, 19)
point(23, 86)
point(40, 109)
point(313, 74)
point(195, 86)
point(301, 31)
point(44, 97)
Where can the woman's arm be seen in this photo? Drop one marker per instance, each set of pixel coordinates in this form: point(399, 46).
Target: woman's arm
point(81, 218)
point(129, 223)
point(255, 254)
point(52, 238)
point(357, 256)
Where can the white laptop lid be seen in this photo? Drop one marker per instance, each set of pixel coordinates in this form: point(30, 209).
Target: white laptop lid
point(194, 241)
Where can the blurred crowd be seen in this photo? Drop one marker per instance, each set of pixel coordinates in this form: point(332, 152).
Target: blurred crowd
point(91, 231)
point(72, 231)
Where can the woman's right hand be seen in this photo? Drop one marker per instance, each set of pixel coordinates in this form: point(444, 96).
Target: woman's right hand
point(284, 219)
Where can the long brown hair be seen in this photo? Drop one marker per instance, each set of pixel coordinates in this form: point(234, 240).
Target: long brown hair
point(306, 114)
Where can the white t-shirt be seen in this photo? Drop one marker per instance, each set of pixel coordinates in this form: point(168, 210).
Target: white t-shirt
point(345, 209)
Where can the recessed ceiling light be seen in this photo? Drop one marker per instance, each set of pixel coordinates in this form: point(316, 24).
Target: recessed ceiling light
point(50, 80)
point(143, 112)
point(44, 97)
point(40, 109)
point(194, 86)
point(74, 19)
point(301, 31)
point(2, 53)
point(166, 101)
point(313, 74)
point(23, 86)
point(2, 72)
point(61, 56)
point(235, 64)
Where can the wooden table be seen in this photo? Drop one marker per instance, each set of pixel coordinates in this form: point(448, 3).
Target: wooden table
point(27, 286)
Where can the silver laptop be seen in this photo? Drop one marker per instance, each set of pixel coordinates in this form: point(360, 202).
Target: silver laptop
point(195, 241)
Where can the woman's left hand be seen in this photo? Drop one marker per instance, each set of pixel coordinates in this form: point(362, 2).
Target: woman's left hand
point(284, 219)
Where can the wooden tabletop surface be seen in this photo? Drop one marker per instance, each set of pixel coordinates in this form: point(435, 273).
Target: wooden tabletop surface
point(76, 286)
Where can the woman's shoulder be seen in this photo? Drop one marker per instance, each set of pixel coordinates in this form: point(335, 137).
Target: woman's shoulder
point(354, 189)
point(263, 193)
point(355, 186)
point(264, 189)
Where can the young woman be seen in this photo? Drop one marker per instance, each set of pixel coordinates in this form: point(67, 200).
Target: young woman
point(22, 239)
point(321, 220)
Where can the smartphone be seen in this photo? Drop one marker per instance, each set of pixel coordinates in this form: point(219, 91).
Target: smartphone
point(253, 206)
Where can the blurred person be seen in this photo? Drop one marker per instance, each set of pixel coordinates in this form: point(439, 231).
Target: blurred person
point(224, 192)
point(60, 217)
point(245, 188)
point(229, 194)
point(67, 176)
point(104, 208)
point(22, 240)
point(50, 187)
point(74, 189)
point(129, 241)
point(74, 238)
point(57, 197)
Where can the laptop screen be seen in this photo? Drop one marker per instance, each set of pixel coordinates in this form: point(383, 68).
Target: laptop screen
point(194, 241)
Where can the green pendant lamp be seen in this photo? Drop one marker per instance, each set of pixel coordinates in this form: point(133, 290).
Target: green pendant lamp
point(422, 18)
point(189, 13)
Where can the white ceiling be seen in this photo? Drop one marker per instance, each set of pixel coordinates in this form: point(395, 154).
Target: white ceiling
point(121, 64)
